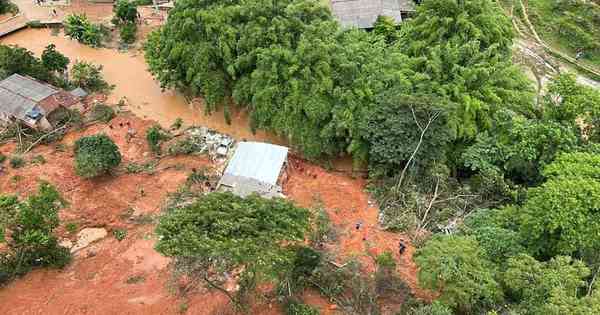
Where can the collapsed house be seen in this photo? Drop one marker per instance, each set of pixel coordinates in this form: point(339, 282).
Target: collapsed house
point(363, 13)
point(30, 102)
point(255, 167)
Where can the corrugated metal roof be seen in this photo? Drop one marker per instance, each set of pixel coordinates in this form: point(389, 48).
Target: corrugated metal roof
point(364, 13)
point(27, 87)
point(257, 160)
point(14, 104)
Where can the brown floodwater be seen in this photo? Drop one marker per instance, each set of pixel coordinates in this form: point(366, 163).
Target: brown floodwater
point(128, 72)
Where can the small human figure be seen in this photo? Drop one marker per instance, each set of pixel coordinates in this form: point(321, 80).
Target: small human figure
point(579, 54)
point(401, 247)
point(357, 225)
point(110, 126)
point(121, 124)
point(54, 12)
point(142, 192)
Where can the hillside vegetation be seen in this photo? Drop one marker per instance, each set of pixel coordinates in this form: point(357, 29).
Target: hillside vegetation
point(570, 25)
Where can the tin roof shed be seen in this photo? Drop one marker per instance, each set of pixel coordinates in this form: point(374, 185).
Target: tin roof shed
point(255, 167)
point(364, 13)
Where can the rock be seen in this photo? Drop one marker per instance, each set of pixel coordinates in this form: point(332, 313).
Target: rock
point(333, 307)
point(87, 236)
point(66, 243)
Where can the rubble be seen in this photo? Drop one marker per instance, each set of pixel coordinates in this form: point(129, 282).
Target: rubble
point(202, 140)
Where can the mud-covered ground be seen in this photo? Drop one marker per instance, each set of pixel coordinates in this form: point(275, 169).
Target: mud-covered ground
point(129, 276)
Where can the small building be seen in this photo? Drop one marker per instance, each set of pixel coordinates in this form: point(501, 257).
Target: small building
point(363, 13)
point(30, 101)
point(255, 167)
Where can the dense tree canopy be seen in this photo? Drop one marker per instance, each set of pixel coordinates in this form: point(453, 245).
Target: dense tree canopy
point(303, 77)
point(220, 233)
point(464, 48)
point(456, 267)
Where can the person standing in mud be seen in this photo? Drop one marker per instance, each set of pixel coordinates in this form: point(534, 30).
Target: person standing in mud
point(401, 247)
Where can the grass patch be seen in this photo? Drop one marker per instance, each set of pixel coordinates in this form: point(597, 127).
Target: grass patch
point(569, 25)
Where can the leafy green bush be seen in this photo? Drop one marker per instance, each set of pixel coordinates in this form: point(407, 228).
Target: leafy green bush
point(54, 60)
point(95, 155)
point(78, 27)
point(125, 12)
point(17, 161)
point(89, 77)
point(128, 32)
point(155, 135)
point(8, 7)
point(35, 24)
point(31, 224)
point(120, 234)
point(103, 113)
point(2, 158)
point(294, 307)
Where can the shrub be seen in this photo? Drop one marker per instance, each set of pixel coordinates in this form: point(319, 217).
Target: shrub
point(16, 161)
point(38, 159)
point(120, 234)
point(89, 77)
point(95, 155)
point(128, 32)
point(177, 124)
point(294, 307)
point(125, 12)
point(31, 224)
point(2, 158)
point(155, 135)
point(102, 112)
point(78, 27)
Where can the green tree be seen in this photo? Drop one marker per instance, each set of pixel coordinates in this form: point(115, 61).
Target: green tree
point(95, 155)
point(54, 60)
point(464, 48)
point(89, 77)
point(19, 60)
point(223, 233)
point(81, 29)
point(562, 216)
point(538, 286)
point(403, 128)
point(456, 267)
point(385, 26)
point(519, 147)
point(30, 225)
point(573, 104)
point(125, 12)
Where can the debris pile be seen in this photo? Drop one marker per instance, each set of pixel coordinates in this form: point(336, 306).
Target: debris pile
point(201, 140)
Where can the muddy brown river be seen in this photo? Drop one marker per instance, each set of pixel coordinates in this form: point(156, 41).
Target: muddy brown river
point(128, 72)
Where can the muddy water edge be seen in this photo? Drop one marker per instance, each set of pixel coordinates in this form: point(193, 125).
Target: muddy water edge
point(146, 99)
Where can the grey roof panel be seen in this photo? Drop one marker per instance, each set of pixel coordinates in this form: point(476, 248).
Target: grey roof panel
point(364, 13)
point(27, 87)
point(259, 161)
point(14, 104)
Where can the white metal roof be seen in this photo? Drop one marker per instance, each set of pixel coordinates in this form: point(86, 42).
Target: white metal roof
point(256, 160)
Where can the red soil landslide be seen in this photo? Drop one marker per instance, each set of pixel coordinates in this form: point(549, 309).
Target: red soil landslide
point(347, 203)
point(130, 277)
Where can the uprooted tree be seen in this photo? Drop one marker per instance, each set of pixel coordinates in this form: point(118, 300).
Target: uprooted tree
point(221, 234)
